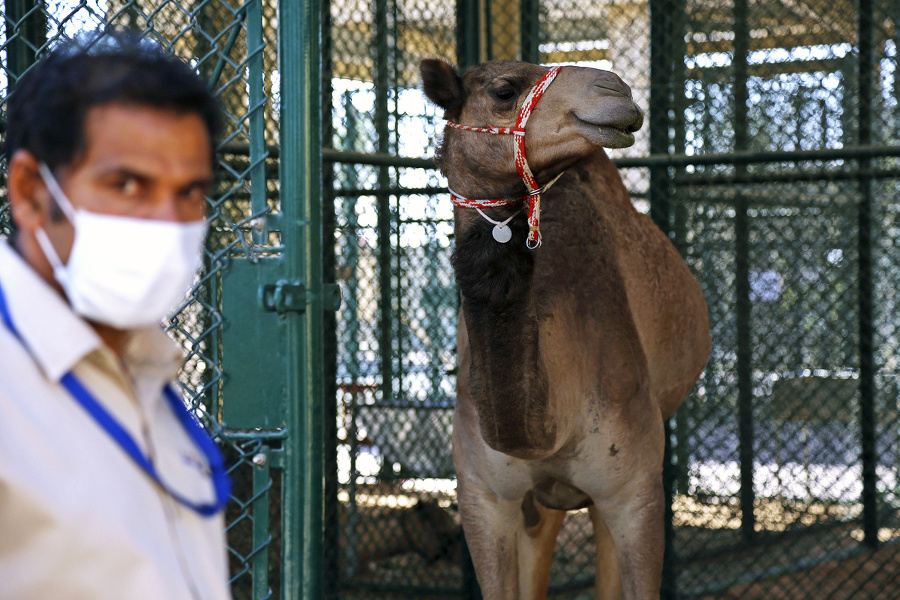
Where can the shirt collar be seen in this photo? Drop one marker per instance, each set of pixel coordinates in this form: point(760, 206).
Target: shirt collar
point(58, 338)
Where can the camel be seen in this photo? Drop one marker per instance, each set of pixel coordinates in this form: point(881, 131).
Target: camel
point(581, 329)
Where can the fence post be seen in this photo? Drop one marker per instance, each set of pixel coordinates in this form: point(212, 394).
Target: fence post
point(743, 305)
point(301, 186)
point(866, 286)
point(530, 30)
point(661, 68)
point(26, 32)
point(469, 41)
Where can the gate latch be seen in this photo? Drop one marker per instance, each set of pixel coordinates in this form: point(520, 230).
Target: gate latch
point(283, 297)
point(290, 296)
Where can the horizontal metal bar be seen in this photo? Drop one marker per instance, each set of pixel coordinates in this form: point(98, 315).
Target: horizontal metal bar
point(380, 159)
point(389, 191)
point(654, 160)
point(255, 434)
point(726, 179)
point(749, 157)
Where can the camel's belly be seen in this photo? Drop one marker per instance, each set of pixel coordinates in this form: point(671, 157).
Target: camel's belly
point(601, 462)
point(556, 494)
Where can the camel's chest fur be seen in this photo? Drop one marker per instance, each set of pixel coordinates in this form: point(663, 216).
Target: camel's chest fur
point(549, 332)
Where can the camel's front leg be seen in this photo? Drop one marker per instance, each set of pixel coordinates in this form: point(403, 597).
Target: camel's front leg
point(511, 542)
point(636, 523)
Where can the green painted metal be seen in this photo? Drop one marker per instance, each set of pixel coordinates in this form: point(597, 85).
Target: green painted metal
point(259, 561)
point(381, 50)
point(253, 391)
point(743, 303)
point(530, 30)
point(866, 285)
point(469, 42)
point(301, 189)
point(28, 20)
point(255, 46)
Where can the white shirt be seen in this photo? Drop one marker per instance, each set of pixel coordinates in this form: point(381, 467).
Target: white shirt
point(79, 520)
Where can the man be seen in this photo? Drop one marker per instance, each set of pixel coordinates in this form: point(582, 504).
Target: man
point(109, 489)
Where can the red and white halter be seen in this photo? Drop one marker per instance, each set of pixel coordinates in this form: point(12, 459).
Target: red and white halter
point(533, 197)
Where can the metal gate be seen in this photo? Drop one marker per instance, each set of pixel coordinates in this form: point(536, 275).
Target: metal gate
point(252, 331)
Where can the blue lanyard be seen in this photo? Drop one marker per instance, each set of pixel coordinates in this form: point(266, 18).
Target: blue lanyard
point(194, 429)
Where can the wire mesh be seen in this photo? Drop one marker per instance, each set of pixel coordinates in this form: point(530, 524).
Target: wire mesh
point(213, 36)
point(785, 455)
point(395, 529)
point(782, 121)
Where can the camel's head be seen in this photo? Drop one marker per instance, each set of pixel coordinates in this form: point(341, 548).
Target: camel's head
point(581, 110)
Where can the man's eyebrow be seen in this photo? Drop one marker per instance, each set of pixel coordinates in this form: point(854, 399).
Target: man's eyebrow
point(121, 171)
point(204, 182)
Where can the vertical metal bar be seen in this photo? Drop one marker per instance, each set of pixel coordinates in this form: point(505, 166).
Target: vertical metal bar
point(468, 29)
point(743, 307)
point(866, 288)
point(262, 537)
point(352, 507)
point(682, 420)
point(26, 32)
point(332, 534)
point(530, 30)
point(257, 117)
point(660, 83)
point(301, 184)
point(434, 329)
point(669, 588)
point(386, 320)
point(258, 202)
point(351, 320)
point(468, 37)
point(661, 12)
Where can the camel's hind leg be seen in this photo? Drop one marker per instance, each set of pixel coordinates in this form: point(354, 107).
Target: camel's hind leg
point(608, 585)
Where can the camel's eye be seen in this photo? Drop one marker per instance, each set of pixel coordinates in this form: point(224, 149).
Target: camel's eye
point(504, 94)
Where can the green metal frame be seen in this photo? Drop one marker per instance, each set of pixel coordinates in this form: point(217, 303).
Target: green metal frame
point(300, 65)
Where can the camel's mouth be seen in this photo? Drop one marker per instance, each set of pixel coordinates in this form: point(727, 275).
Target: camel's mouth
point(616, 137)
point(611, 132)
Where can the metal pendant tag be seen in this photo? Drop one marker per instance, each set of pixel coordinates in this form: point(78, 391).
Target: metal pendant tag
point(502, 233)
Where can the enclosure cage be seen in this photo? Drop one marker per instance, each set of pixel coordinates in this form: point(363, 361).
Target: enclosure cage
point(320, 339)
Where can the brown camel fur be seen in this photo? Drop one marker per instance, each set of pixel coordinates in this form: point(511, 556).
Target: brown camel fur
point(571, 356)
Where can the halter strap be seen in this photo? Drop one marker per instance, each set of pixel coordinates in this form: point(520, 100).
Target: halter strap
point(533, 197)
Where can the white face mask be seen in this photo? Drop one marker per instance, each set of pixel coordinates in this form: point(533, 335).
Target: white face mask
point(124, 272)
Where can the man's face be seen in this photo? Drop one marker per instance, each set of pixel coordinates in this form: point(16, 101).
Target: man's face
point(139, 162)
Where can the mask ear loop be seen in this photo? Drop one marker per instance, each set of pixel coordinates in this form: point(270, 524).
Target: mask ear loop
point(59, 269)
point(59, 196)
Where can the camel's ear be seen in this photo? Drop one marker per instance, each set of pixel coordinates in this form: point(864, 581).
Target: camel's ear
point(442, 85)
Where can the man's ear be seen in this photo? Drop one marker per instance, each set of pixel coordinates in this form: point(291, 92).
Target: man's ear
point(442, 85)
point(29, 200)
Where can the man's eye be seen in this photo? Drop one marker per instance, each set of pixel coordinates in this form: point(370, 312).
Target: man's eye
point(129, 186)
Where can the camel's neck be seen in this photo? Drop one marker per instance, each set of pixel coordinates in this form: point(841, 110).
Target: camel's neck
point(510, 293)
point(507, 375)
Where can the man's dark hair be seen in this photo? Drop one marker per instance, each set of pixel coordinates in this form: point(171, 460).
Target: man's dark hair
point(46, 112)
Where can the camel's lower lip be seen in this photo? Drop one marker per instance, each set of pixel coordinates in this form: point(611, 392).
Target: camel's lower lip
point(613, 137)
point(605, 134)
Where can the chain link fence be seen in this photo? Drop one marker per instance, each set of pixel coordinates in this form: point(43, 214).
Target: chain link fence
point(233, 46)
point(771, 158)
